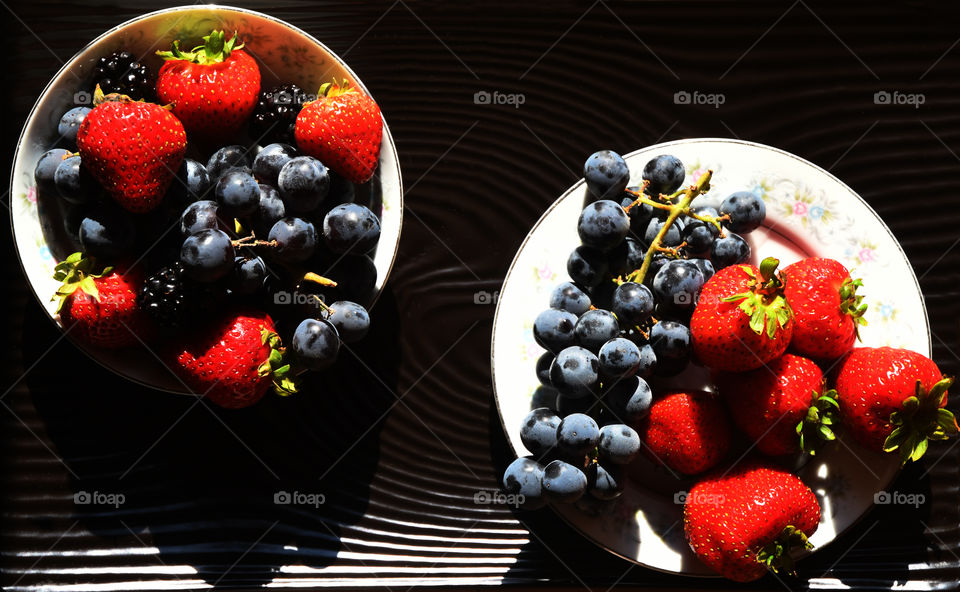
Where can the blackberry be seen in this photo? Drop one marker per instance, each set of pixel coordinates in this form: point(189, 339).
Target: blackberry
point(173, 300)
point(276, 114)
point(121, 72)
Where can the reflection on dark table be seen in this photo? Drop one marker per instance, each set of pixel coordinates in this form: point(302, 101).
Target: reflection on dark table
point(399, 476)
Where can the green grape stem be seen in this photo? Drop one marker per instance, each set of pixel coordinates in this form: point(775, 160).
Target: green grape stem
point(681, 208)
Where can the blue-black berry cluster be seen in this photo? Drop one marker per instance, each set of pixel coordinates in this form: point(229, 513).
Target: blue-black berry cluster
point(621, 322)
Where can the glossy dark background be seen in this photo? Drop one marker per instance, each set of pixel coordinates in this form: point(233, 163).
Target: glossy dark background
point(400, 477)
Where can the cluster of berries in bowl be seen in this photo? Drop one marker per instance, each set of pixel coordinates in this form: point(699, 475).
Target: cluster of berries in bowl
point(669, 346)
point(215, 222)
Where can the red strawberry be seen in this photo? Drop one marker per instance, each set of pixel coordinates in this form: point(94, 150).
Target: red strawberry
point(213, 88)
point(742, 320)
point(746, 520)
point(133, 149)
point(894, 398)
point(827, 311)
point(343, 129)
point(689, 432)
point(100, 308)
point(235, 361)
point(773, 404)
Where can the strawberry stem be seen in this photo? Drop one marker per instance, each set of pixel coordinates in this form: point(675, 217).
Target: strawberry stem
point(276, 365)
point(215, 49)
point(815, 429)
point(76, 272)
point(920, 420)
point(776, 554)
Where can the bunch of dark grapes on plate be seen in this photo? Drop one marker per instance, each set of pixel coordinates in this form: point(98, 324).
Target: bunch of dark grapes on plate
point(622, 321)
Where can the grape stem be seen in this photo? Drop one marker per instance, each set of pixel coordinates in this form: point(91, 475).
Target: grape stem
point(682, 207)
point(253, 241)
point(319, 279)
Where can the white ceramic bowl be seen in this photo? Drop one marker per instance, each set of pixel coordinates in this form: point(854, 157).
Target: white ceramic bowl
point(809, 212)
point(285, 54)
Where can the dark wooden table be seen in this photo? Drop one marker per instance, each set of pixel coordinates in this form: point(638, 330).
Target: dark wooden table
point(399, 475)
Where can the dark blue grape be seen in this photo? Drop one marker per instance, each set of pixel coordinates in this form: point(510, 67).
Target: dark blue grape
point(238, 193)
point(596, 327)
point(639, 214)
point(665, 173)
point(524, 477)
point(46, 168)
point(626, 258)
point(226, 158)
point(618, 358)
point(605, 482)
point(575, 372)
point(207, 255)
point(699, 235)
point(577, 434)
point(544, 396)
point(200, 215)
point(628, 401)
point(672, 238)
point(538, 432)
point(632, 303)
point(569, 297)
point(190, 184)
point(603, 225)
point(316, 343)
point(248, 275)
point(71, 120)
point(587, 266)
point(543, 368)
point(304, 183)
point(658, 261)
point(270, 160)
point(618, 444)
point(677, 285)
point(351, 320)
point(670, 341)
point(553, 329)
point(746, 210)
point(270, 209)
point(106, 234)
point(296, 239)
point(606, 174)
point(705, 267)
point(563, 482)
point(648, 360)
point(729, 250)
point(351, 228)
point(74, 182)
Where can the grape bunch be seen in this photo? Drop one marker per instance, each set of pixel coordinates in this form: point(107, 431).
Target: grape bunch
point(622, 321)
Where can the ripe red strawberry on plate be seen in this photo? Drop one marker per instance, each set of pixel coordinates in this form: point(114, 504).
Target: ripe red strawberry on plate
point(746, 520)
point(213, 88)
point(894, 399)
point(742, 320)
point(827, 311)
point(235, 361)
point(99, 308)
point(343, 129)
point(689, 432)
point(780, 406)
point(133, 149)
